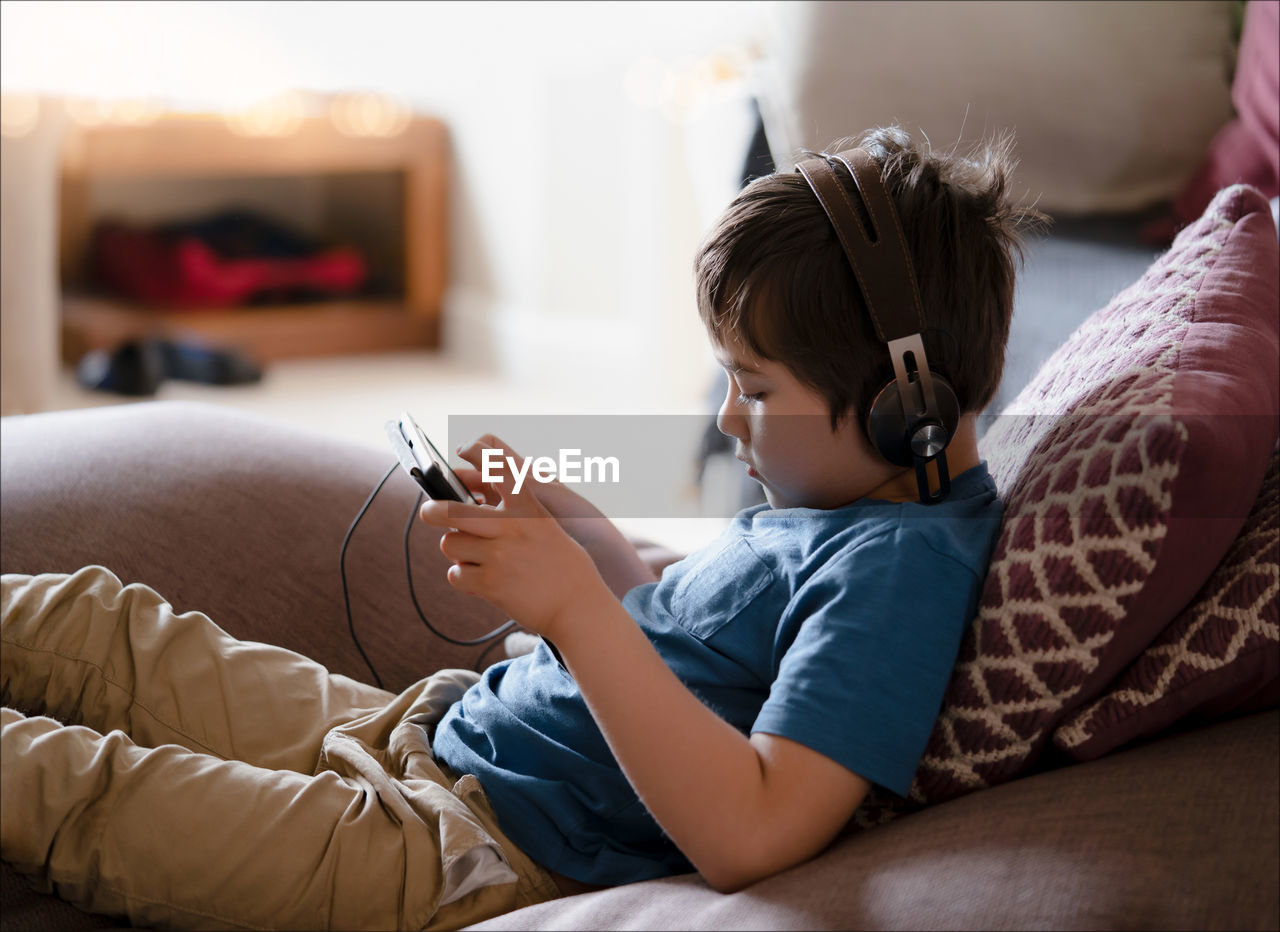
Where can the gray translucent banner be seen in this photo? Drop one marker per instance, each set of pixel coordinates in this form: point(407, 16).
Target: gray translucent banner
point(680, 466)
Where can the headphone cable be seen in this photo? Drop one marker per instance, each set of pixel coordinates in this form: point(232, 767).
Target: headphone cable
point(346, 594)
point(408, 568)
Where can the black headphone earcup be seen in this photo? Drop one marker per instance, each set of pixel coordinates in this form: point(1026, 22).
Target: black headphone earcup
point(887, 427)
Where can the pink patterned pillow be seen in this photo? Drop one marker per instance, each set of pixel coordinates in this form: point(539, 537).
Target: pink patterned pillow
point(1222, 652)
point(1127, 467)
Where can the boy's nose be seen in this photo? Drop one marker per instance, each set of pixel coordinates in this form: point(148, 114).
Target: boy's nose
point(729, 420)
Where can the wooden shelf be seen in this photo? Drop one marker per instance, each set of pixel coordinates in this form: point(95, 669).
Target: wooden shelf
point(265, 333)
point(182, 145)
point(178, 147)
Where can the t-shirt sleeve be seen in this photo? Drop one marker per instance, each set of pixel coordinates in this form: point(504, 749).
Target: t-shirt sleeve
point(869, 644)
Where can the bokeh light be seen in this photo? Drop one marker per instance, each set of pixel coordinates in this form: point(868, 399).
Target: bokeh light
point(19, 114)
point(276, 116)
point(368, 114)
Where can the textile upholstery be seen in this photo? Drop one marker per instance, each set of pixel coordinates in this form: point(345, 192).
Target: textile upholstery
point(1114, 103)
point(1127, 466)
point(1112, 844)
point(1220, 653)
point(239, 517)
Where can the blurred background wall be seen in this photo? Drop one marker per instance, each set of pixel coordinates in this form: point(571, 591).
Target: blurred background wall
point(574, 205)
point(591, 144)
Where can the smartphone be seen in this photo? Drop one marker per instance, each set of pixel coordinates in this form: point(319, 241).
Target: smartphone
point(423, 462)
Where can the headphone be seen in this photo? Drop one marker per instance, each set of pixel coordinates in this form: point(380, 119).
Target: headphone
point(914, 416)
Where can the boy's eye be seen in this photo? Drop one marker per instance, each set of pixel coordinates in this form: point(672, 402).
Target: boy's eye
point(747, 397)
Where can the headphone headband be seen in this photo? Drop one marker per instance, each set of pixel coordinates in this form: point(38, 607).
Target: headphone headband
point(882, 265)
point(879, 256)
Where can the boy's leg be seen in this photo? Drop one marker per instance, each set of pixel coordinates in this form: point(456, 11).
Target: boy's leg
point(171, 837)
point(85, 649)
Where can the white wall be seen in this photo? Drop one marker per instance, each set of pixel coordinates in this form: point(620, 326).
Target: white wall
point(575, 209)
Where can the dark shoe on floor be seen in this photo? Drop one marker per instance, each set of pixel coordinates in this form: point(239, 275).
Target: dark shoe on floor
point(194, 363)
point(133, 368)
point(139, 366)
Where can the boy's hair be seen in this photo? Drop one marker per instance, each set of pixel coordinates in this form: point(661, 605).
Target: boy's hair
point(772, 273)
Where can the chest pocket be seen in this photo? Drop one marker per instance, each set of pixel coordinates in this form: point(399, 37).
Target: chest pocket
point(723, 582)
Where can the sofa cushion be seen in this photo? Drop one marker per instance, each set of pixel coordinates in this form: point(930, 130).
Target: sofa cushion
point(1114, 104)
point(1223, 651)
point(1109, 844)
point(240, 517)
point(1127, 466)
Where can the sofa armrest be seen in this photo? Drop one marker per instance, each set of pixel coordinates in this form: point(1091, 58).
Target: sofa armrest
point(238, 517)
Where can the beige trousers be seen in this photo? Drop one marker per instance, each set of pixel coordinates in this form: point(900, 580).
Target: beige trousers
point(187, 779)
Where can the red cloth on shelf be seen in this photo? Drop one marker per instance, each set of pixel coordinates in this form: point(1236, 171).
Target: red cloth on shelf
point(186, 273)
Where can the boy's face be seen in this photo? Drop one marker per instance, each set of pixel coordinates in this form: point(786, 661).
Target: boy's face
point(782, 430)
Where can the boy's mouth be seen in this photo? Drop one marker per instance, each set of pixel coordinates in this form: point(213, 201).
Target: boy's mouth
point(751, 470)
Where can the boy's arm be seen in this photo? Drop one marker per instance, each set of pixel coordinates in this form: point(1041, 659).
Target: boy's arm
point(615, 557)
point(739, 808)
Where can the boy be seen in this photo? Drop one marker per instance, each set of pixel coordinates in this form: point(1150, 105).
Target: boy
point(729, 717)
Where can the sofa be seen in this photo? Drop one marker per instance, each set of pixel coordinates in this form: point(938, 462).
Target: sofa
point(1175, 826)
point(1108, 752)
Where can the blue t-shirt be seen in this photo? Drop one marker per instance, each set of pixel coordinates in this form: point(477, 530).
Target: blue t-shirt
point(835, 628)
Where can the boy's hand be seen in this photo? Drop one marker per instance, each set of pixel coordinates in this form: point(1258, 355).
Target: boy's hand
point(560, 501)
point(514, 554)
